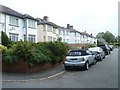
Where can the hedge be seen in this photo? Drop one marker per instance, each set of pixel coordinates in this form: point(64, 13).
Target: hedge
point(34, 53)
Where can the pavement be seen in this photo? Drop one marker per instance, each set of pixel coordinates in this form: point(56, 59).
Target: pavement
point(54, 71)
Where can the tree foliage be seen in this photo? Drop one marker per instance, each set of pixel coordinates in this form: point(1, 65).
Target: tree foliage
point(108, 36)
point(5, 40)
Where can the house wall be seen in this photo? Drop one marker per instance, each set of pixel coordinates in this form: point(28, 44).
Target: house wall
point(20, 29)
point(74, 38)
point(44, 33)
point(65, 35)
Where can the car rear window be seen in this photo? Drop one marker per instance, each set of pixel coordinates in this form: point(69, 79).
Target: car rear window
point(76, 53)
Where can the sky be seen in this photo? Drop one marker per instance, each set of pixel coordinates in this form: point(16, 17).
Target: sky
point(92, 16)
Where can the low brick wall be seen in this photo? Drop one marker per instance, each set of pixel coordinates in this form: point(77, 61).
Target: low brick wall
point(77, 45)
point(21, 67)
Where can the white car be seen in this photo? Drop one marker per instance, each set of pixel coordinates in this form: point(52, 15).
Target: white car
point(100, 54)
point(79, 58)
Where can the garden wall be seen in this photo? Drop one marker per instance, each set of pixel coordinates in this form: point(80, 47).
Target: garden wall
point(22, 67)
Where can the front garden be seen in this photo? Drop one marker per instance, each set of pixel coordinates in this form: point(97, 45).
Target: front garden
point(34, 53)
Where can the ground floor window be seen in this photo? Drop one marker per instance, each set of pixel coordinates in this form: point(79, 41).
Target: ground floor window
point(49, 38)
point(13, 37)
point(31, 38)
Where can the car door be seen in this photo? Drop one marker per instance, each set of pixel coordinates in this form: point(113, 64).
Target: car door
point(90, 57)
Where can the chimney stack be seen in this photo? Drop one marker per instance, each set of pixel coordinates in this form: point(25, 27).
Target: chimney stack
point(46, 18)
point(68, 26)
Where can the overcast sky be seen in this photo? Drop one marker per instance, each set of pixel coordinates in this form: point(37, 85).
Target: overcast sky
point(92, 16)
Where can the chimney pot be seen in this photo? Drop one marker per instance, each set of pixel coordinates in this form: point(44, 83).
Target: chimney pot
point(71, 27)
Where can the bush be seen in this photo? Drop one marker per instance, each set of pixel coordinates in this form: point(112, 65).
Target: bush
point(91, 45)
point(2, 48)
point(5, 40)
point(9, 56)
point(34, 53)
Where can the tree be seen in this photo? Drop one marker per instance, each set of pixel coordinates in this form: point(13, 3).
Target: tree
point(118, 39)
point(59, 39)
point(100, 35)
point(5, 40)
point(108, 36)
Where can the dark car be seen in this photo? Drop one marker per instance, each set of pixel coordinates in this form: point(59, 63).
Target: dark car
point(105, 48)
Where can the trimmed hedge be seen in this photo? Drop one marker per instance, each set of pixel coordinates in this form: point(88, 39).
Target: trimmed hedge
point(34, 53)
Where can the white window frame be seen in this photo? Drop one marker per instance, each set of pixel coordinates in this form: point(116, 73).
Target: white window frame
point(49, 38)
point(32, 38)
point(13, 37)
point(49, 28)
point(31, 23)
point(13, 21)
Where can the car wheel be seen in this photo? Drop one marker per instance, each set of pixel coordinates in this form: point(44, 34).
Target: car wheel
point(109, 52)
point(104, 57)
point(95, 61)
point(86, 66)
point(66, 68)
point(101, 59)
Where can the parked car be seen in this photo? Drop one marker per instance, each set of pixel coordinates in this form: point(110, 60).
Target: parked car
point(111, 47)
point(105, 48)
point(98, 52)
point(79, 58)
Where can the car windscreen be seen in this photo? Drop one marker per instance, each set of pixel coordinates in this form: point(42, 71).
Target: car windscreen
point(76, 53)
point(94, 52)
point(103, 47)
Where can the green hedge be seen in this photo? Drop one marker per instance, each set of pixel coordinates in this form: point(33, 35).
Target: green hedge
point(34, 53)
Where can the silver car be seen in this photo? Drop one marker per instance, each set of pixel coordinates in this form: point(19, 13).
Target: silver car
point(79, 58)
point(99, 53)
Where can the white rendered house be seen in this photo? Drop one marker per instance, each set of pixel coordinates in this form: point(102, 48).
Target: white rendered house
point(64, 33)
point(18, 26)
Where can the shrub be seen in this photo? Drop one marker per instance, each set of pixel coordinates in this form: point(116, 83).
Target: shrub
point(35, 53)
point(9, 56)
point(2, 48)
point(91, 45)
point(5, 40)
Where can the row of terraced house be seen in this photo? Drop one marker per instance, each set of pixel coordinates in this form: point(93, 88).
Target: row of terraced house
point(19, 26)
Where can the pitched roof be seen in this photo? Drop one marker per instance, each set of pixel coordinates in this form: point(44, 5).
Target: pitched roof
point(42, 21)
point(29, 17)
point(84, 33)
point(9, 11)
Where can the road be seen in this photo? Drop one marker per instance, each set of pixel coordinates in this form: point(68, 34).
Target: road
point(102, 75)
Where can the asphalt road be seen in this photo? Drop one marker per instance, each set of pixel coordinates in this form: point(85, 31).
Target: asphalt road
point(102, 75)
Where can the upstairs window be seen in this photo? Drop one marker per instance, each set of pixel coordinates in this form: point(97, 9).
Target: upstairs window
point(64, 32)
point(60, 32)
point(67, 32)
point(75, 34)
point(31, 24)
point(54, 30)
point(49, 28)
point(13, 21)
